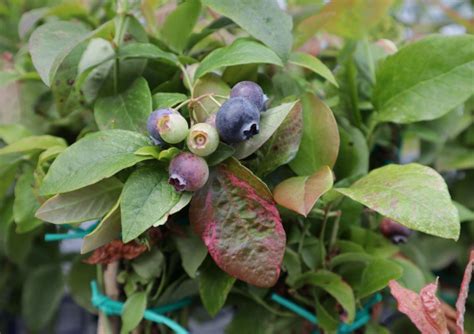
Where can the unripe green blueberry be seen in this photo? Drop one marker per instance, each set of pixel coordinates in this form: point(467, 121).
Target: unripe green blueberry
point(203, 139)
point(152, 124)
point(188, 172)
point(173, 128)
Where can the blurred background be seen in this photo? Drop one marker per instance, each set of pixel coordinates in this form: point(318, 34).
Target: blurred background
point(408, 20)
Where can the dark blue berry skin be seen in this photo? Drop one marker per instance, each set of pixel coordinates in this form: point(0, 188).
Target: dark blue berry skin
point(188, 172)
point(237, 120)
point(152, 124)
point(394, 231)
point(251, 91)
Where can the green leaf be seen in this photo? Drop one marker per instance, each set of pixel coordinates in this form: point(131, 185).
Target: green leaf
point(327, 319)
point(243, 320)
point(214, 286)
point(347, 18)
point(270, 120)
point(312, 252)
point(84, 204)
point(313, 64)
point(10, 133)
point(94, 69)
point(262, 19)
point(425, 80)
point(129, 110)
point(332, 284)
point(79, 283)
point(167, 100)
point(147, 197)
point(320, 143)
point(51, 43)
point(168, 154)
point(292, 265)
point(454, 157)
point(33, 143)
point(241, 51)
point(413, 195)
point(15, 247)
point(222, 153)
point(353, 157)
point(6, 78)
point(371, 241)
point(97, 51)
point(465, 214)
point(51, 281)
point(180, 23)
point(282, 146)
point(50, 154)
point(300, 193)
point(350, 257)
point(376, 276)
point(412, 278)
point(192, 251)
point(236, 217)
point(8, 170)
point(25, 204)
point(93, 158)
point(67, 96)
point(150, 264)
point(108, 229)
point(149, 151)
point(29, 19)
point(133, 311)
point(147, 51)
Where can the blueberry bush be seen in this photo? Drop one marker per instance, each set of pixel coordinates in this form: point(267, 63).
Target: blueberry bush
point(304, 166)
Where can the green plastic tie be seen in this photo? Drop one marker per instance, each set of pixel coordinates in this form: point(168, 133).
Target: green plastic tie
point(302, 312)
point(73, 233)
point(113, 307)
point(362, 316)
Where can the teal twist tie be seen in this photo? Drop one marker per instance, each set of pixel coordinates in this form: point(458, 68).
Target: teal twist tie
point(361, 318)
point(112, 307)
point(73, 233)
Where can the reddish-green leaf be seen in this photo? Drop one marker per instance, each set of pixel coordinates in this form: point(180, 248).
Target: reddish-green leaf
point(320, 143)
point(236, 217)
point(424, 310)
point(270, 121)
point(282, 146)
point(300, 193)
point(347, 18)
point(463, 293)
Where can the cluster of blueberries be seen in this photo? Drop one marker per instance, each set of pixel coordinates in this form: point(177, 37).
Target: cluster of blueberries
point(237, 120)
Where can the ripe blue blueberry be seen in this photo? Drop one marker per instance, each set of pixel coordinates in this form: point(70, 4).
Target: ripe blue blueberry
point(203, 139)
point(152, 124)
point(251, 91)
point(188, 172)
point(237, 120)
point(394, 231)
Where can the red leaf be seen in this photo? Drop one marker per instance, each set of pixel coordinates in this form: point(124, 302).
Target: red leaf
point(424, 310)
point(236, 217)
point(461, 302)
